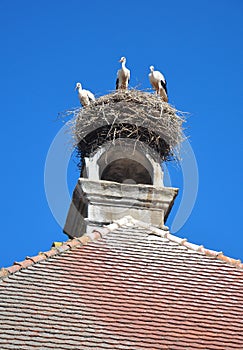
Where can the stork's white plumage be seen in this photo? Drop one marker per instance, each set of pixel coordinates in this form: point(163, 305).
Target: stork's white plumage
point(123, 75)
point(158, 83)
point(85, 96)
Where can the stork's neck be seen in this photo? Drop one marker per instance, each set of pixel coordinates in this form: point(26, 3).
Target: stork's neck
point(123, 65)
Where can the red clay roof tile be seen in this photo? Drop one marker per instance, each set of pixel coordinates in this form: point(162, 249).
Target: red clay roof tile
point(130, 286)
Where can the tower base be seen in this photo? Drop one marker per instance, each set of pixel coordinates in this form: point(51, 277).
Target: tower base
point(96, 203)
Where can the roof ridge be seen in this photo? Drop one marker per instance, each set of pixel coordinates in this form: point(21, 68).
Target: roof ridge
point(68, 245)
point(42, 256)
point(184, 242)
point(99, 233)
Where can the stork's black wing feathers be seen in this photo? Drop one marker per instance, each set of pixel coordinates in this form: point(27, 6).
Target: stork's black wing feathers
point(163, 83)
point(117, 83)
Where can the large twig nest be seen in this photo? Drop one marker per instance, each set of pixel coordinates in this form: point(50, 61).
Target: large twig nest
point(128, 114)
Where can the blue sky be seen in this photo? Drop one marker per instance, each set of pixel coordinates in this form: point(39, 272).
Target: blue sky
point(48, 46)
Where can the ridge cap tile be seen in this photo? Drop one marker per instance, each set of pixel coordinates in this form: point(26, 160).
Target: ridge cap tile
point(43, 256)
point(96, 234)
point(183, 241)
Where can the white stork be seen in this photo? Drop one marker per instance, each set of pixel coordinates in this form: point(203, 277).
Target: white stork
point(158, 83)
point(85, 96)
point(123, 75)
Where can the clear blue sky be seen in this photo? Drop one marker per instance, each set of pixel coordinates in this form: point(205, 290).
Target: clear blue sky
point(47, 46)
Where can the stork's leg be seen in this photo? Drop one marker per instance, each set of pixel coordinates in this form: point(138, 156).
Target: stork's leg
point(163, 94)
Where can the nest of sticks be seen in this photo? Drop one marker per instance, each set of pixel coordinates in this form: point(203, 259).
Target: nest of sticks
point(128, 114)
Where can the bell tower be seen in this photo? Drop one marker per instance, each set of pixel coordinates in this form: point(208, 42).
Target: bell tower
point(122, 140)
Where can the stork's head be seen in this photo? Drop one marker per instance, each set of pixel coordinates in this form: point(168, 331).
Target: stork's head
point(151, 68)
point(123, 59)
point(78, 86)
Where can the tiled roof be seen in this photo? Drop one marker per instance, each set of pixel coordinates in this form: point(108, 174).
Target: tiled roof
point(129, 286)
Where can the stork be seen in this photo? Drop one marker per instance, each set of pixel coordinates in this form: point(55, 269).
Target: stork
point(123, 75)
point(85, 96)
point(158, 83)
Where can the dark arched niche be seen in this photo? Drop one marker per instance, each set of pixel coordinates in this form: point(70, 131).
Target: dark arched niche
point(126, 170)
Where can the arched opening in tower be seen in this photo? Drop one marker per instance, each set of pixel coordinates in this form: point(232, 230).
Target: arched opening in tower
point(126, 171)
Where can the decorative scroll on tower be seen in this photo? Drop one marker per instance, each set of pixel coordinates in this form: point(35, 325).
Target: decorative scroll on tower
point(122, 140)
